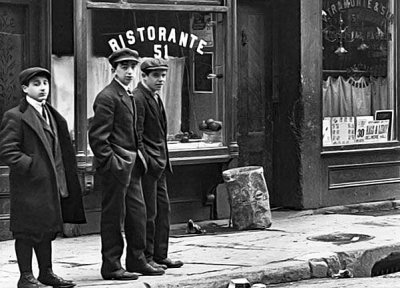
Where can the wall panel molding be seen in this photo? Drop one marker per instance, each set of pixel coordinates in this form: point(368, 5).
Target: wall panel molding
point(364, 174)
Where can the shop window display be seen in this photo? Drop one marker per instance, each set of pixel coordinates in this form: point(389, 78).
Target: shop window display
point(358, 71)
point(189, 42)
point(192, 43)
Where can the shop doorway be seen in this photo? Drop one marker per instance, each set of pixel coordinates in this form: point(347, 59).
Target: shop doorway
point(255, 92)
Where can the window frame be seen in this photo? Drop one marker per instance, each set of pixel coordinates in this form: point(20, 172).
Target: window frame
point(377, 146)
point(229, 148)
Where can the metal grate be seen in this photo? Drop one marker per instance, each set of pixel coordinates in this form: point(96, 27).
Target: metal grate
point(390, 264)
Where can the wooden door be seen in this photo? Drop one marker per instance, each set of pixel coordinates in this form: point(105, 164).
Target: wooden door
point(24, 42)
point(254, 100)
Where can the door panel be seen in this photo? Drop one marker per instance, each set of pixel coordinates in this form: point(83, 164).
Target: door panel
point(12, 42)
point(254, 101)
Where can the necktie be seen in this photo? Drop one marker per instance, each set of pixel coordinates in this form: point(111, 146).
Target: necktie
point(159, 102)
point(44, 114)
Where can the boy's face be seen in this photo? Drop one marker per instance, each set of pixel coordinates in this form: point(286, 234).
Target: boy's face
point(124, 71)
point(38, 88)
point(155, 79)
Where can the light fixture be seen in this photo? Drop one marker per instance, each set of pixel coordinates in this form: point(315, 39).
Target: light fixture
point(363, 46)
point(341, 50)
point(214, 76)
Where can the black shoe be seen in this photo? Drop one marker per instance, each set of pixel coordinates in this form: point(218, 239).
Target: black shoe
point(156, 265)
point(169, 263)
point(27, 280)
point(48, 278)
point(120, 274)
point(147, 269)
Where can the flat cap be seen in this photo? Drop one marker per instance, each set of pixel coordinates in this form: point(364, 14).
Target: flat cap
point(154, 64)
point(31, 72)
point(124, 54)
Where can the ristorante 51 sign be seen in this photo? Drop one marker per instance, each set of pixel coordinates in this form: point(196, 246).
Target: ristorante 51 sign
point(158, 35)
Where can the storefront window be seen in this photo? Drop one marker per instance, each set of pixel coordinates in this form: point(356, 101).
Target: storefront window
point(193, 45)
point(62, 61)
point(358, 72)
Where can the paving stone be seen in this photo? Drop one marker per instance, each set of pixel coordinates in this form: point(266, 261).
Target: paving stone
point(319, 269)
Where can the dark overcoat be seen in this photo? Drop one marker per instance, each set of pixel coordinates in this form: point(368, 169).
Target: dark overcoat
point(152, 127)
point(112, 133)
point(36, 205)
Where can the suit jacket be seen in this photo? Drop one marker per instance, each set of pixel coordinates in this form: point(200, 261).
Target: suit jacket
point(35, 201)
point(112, 133)
point(152, 126)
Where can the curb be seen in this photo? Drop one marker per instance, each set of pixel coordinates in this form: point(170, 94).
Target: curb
point(360, 207)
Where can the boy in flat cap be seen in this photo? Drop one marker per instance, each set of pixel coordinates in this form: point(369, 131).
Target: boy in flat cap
point(44, 185)
point(152, 125)
point(120, 165)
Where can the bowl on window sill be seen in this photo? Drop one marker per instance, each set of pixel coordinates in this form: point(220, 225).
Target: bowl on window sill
point(212, 136)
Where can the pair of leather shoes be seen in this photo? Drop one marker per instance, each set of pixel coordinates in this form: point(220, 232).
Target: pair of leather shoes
point(48, 278)
point(120, 274)
point(156, 265)
point(169, 263)
point(147, 269)
point(27, 280)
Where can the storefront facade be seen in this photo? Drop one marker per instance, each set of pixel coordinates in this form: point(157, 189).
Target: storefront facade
point(355, 80)
point(197, 39)
point(306, 89)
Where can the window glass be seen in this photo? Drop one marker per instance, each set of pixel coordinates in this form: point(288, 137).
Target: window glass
point(358, 98)
point(62, 61)
point(194, 48)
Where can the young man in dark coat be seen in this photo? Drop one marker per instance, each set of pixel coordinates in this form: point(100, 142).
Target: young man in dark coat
point(152, 125)
point(119, 167)
point(44, 185)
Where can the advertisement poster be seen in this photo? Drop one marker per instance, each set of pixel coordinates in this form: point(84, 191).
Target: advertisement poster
point(386, 115)
point(377, 131)
point(326, 131)
point(361, 127)
point(343, 130)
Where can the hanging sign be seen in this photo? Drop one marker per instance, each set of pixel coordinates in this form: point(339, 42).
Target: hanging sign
point(201, 26)
point(158, 34)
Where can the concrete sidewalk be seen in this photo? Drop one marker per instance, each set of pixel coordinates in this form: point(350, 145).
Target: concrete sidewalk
point(281, 253)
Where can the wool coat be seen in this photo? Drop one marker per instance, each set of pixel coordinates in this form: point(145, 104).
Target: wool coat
point(35, 202)
point(112, 133)
point(152, 127)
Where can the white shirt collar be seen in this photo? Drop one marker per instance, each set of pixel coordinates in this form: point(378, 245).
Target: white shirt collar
point(126, 87)
point(36, 104)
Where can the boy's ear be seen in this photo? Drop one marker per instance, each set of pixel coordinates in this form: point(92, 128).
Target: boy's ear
point(24, 88)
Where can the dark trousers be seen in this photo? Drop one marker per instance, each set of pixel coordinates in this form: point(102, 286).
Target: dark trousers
point(24, 251)
point(158, 216)
point(123, 207)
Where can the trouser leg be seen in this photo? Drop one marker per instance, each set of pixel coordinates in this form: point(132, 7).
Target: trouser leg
point(135, 220)
point(112, 214)
point(24, 252)
point(150, 196)
point(162, 221)
point(43, 254)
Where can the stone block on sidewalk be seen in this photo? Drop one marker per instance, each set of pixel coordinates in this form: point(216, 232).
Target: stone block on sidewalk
point(319, 269)
point(249, 197)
